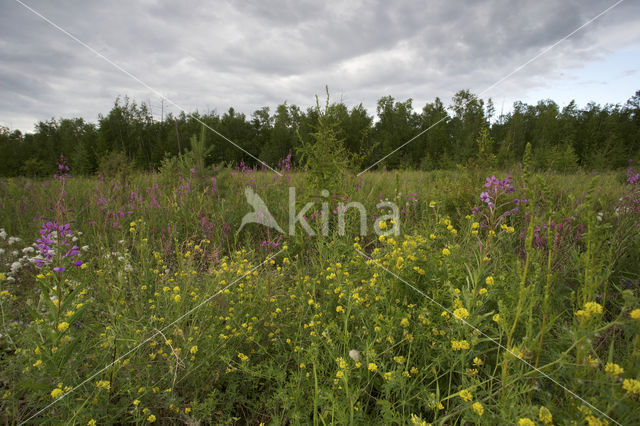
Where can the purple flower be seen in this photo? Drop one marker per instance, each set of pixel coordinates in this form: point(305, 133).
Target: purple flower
point(59, 269)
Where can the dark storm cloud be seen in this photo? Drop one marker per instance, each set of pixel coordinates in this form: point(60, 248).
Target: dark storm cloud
point(248, 54)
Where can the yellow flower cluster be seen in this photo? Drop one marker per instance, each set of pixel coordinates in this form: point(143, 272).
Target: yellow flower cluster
point(545, 416)
point(461, 313)
point(631, 386)
point(590, 310)
point(466, 395)
point(635, 314)
point(613, 369)
point(459, 345)
point(478, 408)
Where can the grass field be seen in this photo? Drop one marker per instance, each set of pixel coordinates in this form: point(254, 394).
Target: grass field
point(133, 299)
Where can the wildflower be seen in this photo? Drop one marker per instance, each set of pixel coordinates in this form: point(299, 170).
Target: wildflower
point(38, 363)
point(63, 326)
point(478, 408)
point(589, 310)
point(91, 422)
point(136, 402)
point(104, 384)
point(477, 362)
point(404, 322)
point(459, 345)
point(525, 421)
point(341, 362)
point(242, 357)
point(482, 291)
point(416, 420)
point(613, 369)
point(177, 298)
point(446, 252)
point(635, 314)
point(489, 281)
point(372, 366)
point(193, 350)
point(545, 416)
point(432, 204)
point(151, 418)
point(399, 359)
point(339, 309)
point(461, 313)
point(56, 393)
point(466, 395)
point(631, 386)
point(496, 318)
point(355, 355)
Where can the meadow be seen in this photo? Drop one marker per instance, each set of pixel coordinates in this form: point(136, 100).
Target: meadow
point(508, 297)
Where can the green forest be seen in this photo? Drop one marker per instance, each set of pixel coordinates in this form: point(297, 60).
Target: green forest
point(467, 131)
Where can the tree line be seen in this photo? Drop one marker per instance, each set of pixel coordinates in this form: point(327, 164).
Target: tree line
point(593, 137)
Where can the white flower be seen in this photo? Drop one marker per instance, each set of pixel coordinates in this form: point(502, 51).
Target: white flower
point(14, 253)
point(355, 355)
point(1, 251)
point(28, 250)
point(13, 240)
point(85, 248)
point(15, 267)
point(3, 234)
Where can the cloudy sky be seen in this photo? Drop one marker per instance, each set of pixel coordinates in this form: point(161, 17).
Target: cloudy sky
point(248, 54)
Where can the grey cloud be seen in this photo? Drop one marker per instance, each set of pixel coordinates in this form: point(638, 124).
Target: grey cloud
point(254, 53)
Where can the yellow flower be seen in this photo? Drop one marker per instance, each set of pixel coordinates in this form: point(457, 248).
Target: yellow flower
point(187, 410)
point(382, 225)
point(193, 350)
point(496, 318)
point(136, 402)
point(151, 418)
point(465, 395)
point(404, 322)
point(613, 369)
point(478, 408)
point(525, 421)
point(631, 386)
point(489, 281)
point(104, 384)
point(432, 204)
point(339, 309)
point(372, 366)
point(635, 314)
point(445, 252)
point(177, 298)
point(459, 345)
point(477, 362)
point(38, 363)
point(63, 326)
point(461, 313)
point(475, 225)
point(242, 357)
point(56, 393)
point(91, 423)
point(545, 416)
